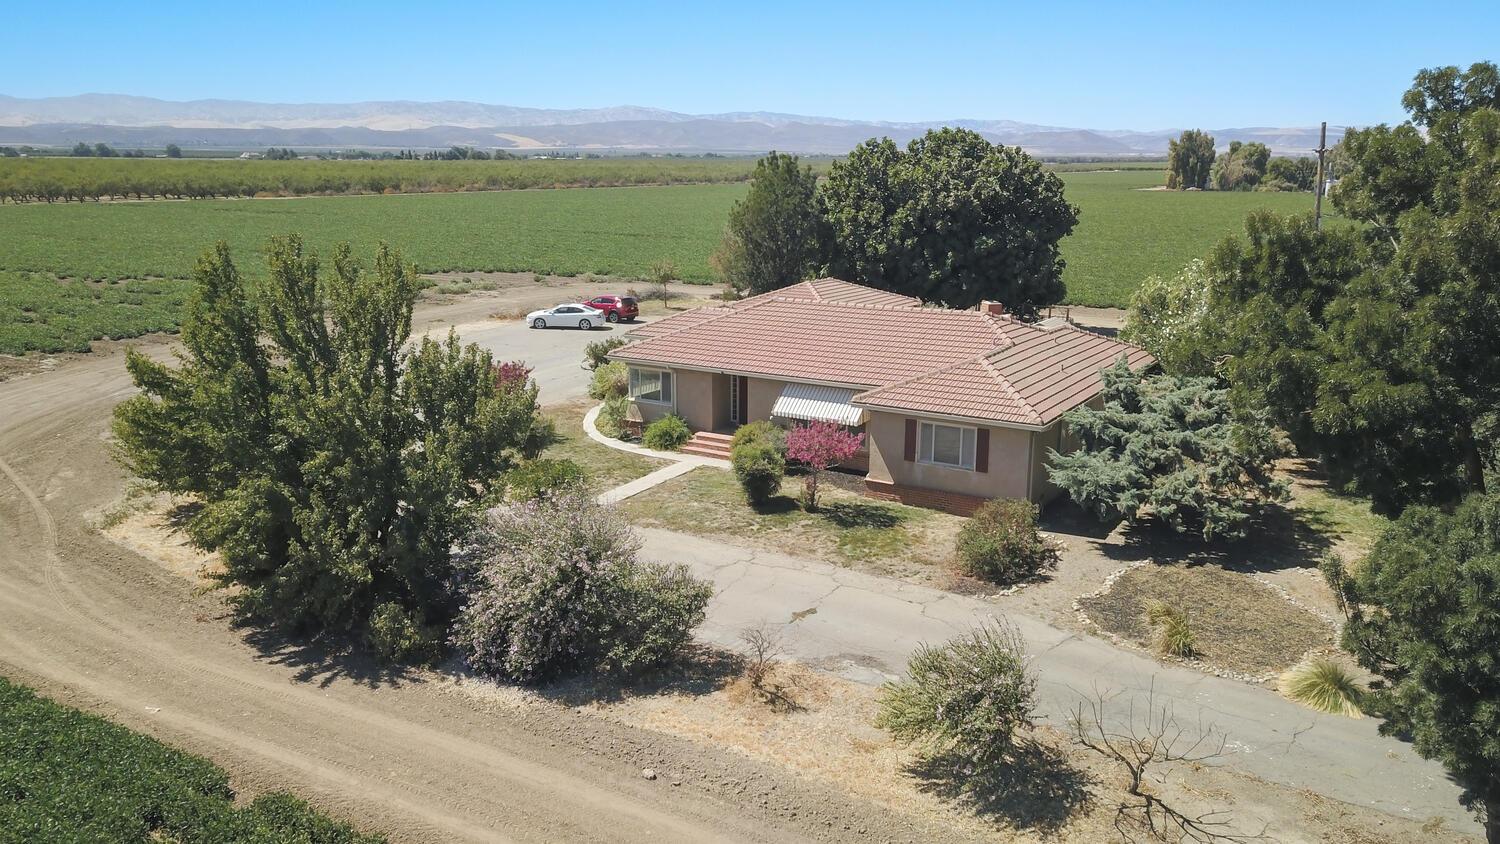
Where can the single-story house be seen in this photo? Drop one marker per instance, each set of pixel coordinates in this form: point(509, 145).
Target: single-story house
point(957, 406)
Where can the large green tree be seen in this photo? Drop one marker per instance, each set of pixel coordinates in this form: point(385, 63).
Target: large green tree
point(1376, 347)
point(771, 240)
point(1169, 447)
point(335, 465)
point(1241, 168)
point(952, 218)
point(1190, 158)
point(1424, 614)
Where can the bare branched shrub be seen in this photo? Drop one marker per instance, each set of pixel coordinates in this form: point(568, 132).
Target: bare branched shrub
point(763, 651)
point(1147, 741)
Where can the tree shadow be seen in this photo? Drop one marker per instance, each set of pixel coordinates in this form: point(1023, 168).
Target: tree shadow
point(848, 514)
point(327, 659)
point(1038, 790)
point(1067, 518)
point(1277, 538)
point(776, 505)
point(701, 670)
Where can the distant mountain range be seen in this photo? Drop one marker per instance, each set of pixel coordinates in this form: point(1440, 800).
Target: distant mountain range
point(235, 124)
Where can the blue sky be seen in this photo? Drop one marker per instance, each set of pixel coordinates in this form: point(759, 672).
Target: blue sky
point(1130, 66)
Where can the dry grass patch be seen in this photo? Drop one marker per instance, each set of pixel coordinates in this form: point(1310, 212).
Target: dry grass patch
point(847, 529)
point(1238, 623)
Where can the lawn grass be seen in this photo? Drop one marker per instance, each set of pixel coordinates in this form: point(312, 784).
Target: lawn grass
point(69, 776)
point(848, 529)
point(604, 467)
point(1124, 234)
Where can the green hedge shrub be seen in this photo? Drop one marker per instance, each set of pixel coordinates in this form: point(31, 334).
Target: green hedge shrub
point(759, 467)
point(611, 380)
point(611, 418)
point(667, 433)
point(68, 776)
point(760, 431)
point(1001, 544)
point(543, 477)
point(596, 354)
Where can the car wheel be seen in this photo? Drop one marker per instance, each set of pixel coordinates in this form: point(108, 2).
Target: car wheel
point(585, 325)
point(539, 323)
point(613, 317)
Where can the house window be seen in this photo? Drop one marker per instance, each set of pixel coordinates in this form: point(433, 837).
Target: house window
point(947, 445)
point(651, 385)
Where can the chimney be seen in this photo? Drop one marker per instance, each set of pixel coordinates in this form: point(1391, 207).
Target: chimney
point(992, 308)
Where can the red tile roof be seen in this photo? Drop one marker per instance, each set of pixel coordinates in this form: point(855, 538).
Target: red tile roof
point(925, 360)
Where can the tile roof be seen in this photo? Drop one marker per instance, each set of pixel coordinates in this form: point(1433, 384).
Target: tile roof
point(1040, 376)
point(924, 360)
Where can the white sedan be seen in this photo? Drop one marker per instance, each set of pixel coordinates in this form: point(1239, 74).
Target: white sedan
point(571, 315)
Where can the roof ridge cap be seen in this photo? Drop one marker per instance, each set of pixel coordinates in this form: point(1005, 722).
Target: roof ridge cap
point(1009, 388)
point(749, 304)
point(1006, 341)
point(929, 373)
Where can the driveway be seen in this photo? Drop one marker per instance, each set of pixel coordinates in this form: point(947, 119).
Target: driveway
point(863, 627)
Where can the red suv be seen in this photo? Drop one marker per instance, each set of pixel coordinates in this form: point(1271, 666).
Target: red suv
point(616, 308)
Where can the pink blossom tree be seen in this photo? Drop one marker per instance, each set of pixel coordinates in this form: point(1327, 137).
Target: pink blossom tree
point(820, 445)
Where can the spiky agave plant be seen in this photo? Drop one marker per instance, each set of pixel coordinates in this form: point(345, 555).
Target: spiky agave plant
point(1174, 634)
point(1324, 685)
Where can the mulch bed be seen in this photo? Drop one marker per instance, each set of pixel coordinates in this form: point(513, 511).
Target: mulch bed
point(1241, 625)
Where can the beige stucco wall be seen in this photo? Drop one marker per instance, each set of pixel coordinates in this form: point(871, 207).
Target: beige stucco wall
point(1010, 462)
point(694, 392)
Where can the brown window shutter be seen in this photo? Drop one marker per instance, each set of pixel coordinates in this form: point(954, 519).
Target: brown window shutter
point(982, 450)
point(911, 440)
point(744, 398)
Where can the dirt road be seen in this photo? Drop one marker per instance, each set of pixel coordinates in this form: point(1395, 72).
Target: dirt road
point(94, 625)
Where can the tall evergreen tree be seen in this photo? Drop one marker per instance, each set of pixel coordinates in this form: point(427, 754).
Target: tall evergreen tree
point(772, 237)
point(335, 466)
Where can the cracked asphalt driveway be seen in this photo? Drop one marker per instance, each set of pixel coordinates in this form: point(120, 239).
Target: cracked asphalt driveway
point(863, 627)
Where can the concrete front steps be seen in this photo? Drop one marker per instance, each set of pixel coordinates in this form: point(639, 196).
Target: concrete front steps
point(708, 444)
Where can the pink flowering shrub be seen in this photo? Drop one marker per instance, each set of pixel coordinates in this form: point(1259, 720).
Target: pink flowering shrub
point(820, 445)
point(554, 586)
point(512, 373)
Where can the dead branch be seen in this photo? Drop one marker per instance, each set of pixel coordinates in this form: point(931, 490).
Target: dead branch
point(1145, 747)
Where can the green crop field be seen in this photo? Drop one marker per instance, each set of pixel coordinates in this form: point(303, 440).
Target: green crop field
point(1124, 234)
point(67, 776)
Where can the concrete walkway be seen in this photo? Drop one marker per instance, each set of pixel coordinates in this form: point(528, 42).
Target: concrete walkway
point(681, 463)
point(864, 627)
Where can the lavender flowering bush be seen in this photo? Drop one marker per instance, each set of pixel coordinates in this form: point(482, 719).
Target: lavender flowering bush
point(555, 586)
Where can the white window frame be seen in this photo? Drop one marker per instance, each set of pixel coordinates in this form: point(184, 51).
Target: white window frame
point(665, 379)
point(736, 413)
point(926, 441)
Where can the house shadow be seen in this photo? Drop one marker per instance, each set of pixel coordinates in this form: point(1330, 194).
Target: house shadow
point(1038, 790)
point(326, 659)
point(701, 670)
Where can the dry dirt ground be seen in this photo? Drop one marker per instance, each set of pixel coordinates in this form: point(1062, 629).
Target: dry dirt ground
point(94, 624)
point(818, 731)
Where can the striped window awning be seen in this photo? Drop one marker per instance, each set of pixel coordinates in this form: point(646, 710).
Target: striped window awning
point(810, 402)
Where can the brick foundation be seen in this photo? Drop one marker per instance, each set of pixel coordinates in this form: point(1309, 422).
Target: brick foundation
point(949, 502)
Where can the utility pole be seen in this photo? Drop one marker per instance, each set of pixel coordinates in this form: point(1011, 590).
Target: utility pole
point(1318, 203)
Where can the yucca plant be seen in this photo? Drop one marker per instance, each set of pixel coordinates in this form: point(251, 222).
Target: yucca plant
point(1324, 685)
point(1174, 634)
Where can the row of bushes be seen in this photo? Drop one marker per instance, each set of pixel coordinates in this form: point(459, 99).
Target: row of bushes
point(69, 776)
point(51, 179)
